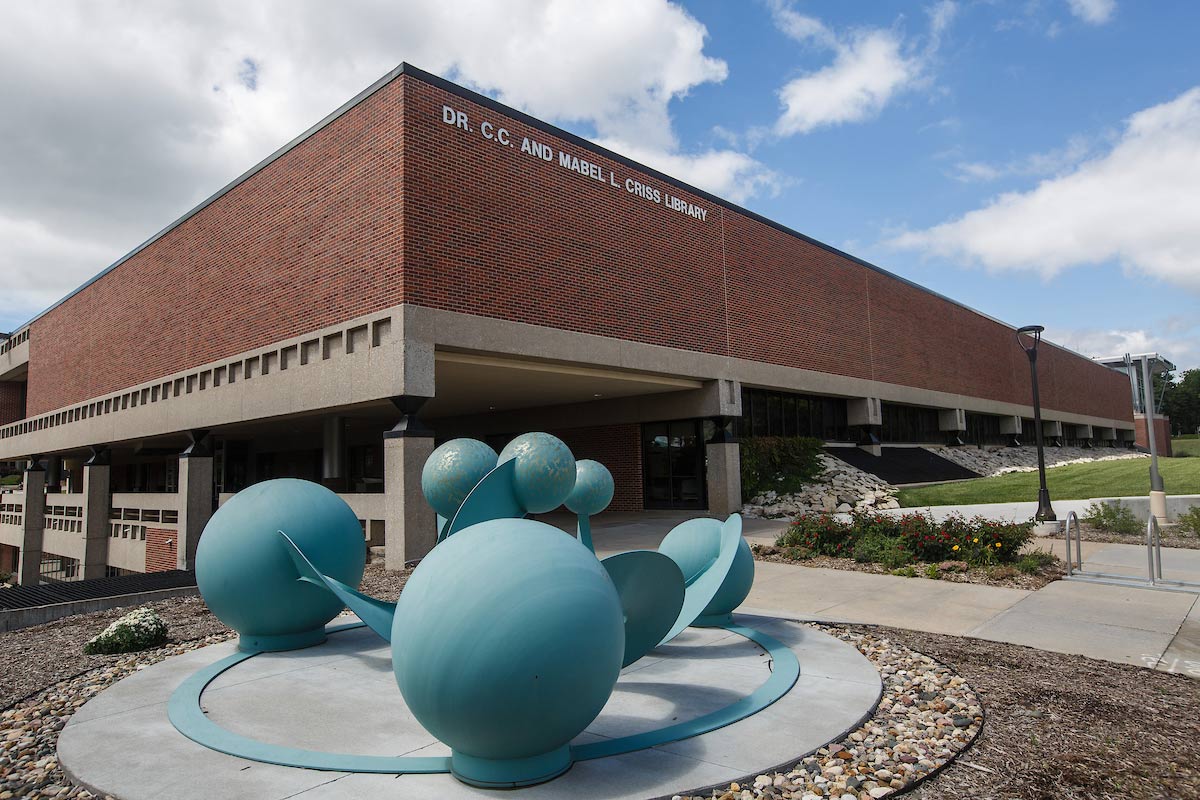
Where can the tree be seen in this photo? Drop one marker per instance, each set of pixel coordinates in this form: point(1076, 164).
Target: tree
point(1182, 402)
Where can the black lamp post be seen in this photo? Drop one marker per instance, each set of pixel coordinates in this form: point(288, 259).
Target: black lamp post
point(1044, 513)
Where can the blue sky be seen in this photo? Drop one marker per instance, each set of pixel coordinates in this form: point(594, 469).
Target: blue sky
point(1038, 161)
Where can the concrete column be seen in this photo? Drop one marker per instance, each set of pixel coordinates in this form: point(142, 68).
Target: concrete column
point(97, 506)
point(33, 518)
point(953, 423)
point(1084, 432)
point(53, 474)
point(411, 526)
point(196, 495)
point(866, 414)
point(723, 456)
point(1011, 427)
point(333, 454)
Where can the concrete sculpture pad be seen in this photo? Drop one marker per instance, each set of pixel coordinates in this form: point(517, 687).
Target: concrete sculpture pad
point(340, 696)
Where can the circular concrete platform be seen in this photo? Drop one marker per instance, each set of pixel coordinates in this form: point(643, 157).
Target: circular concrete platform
point(341, 697)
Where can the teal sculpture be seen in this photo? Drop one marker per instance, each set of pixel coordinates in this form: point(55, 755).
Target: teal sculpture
point(592, 493)
point(508, 638)
point(246, 574)
point(452, 471)
point(544, 471)
point(507, 643)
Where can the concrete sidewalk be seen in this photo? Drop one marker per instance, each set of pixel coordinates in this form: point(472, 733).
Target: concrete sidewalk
point(1126, 625)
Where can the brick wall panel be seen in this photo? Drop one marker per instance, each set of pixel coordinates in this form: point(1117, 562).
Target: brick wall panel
point(160, 556)
point(345, 224)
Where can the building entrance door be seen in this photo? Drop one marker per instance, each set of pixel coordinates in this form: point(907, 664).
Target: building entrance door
point(673, 464)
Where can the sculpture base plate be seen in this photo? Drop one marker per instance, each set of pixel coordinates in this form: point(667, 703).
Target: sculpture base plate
point(510, 774)
point(282, 642)
point(341, 697)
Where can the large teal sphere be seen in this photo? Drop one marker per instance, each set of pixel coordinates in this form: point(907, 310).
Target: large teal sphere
point(248, 578)
point(593, 488)
point(452, 471)
point(545, 471)
point(507, 642)
point(694, 545)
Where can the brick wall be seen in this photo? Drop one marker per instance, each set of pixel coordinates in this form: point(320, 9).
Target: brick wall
point(11, 404)
point(160, 556)
point(310, 240)
point(1162, 434)
point(617, 447)
point(344, 224)
point(499, 232)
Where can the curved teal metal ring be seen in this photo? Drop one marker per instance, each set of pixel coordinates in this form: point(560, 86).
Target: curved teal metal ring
point(185, 714)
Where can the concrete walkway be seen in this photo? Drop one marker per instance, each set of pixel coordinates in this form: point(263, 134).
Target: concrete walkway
point(1137, 626)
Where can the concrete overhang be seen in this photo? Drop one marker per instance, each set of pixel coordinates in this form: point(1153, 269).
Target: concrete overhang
point(472, 383)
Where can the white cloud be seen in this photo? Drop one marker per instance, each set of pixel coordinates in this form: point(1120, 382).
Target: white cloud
point(1093, 12)
point(871, 67)
point(1136, 204)
point(1180, 345)
point(120, 116)
point(1053, 162)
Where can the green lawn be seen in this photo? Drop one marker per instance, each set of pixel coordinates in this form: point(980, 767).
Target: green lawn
point(1186, 444)
point(1130, 477)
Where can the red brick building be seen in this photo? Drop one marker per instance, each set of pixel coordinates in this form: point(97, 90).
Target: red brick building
point(426, 259)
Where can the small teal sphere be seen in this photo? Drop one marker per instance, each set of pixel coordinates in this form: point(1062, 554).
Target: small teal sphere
point(507, 640)
point(545, 471)
point(247, 577)
point(452, 471)
point(593, 488)
point(694, 545)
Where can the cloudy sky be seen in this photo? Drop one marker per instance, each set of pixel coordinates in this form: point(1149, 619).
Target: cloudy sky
point(1036, 159)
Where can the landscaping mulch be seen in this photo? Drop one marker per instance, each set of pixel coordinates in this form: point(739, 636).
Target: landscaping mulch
point(1008, 578)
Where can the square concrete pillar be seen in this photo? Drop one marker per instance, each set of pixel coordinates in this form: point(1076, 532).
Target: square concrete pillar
point(724, 478)
point(1011, 427)
point(97, 501)
point(866, 414)
point(196, 505)
point(1052, 429)
point(953, 423)
point(33, 520)
point(410, 530)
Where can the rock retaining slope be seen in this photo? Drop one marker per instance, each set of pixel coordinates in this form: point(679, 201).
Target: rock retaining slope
point(841, 488)
point(991, 461)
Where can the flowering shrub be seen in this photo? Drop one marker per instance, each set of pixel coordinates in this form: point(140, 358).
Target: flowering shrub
point(137, 630)
point(898, 540)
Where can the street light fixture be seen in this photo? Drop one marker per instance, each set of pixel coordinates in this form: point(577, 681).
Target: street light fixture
point(1034, 333)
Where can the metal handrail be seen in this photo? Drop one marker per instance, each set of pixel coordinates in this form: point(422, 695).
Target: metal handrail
point(1073, 520)
point(1154, 549)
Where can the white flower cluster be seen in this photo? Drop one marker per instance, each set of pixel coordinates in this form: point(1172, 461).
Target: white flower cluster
point(136, 630)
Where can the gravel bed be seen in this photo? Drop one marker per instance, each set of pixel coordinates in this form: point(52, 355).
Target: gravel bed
point(1058, 726)
point(926, 716)
point(1170, 536)
point(1008, 578)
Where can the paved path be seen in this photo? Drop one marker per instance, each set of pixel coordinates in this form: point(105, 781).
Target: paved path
point(1127, 625)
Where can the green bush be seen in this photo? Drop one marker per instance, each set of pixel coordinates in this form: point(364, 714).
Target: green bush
point(11, 480)
point(137, 630)
point(905, 572)
point(1189, 521)
point(1112, 517)
point(932, 572)
point(896, 541)
point(782, 464)
point(1035, 562)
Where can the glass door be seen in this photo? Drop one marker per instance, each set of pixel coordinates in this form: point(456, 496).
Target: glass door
point(673, 464)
